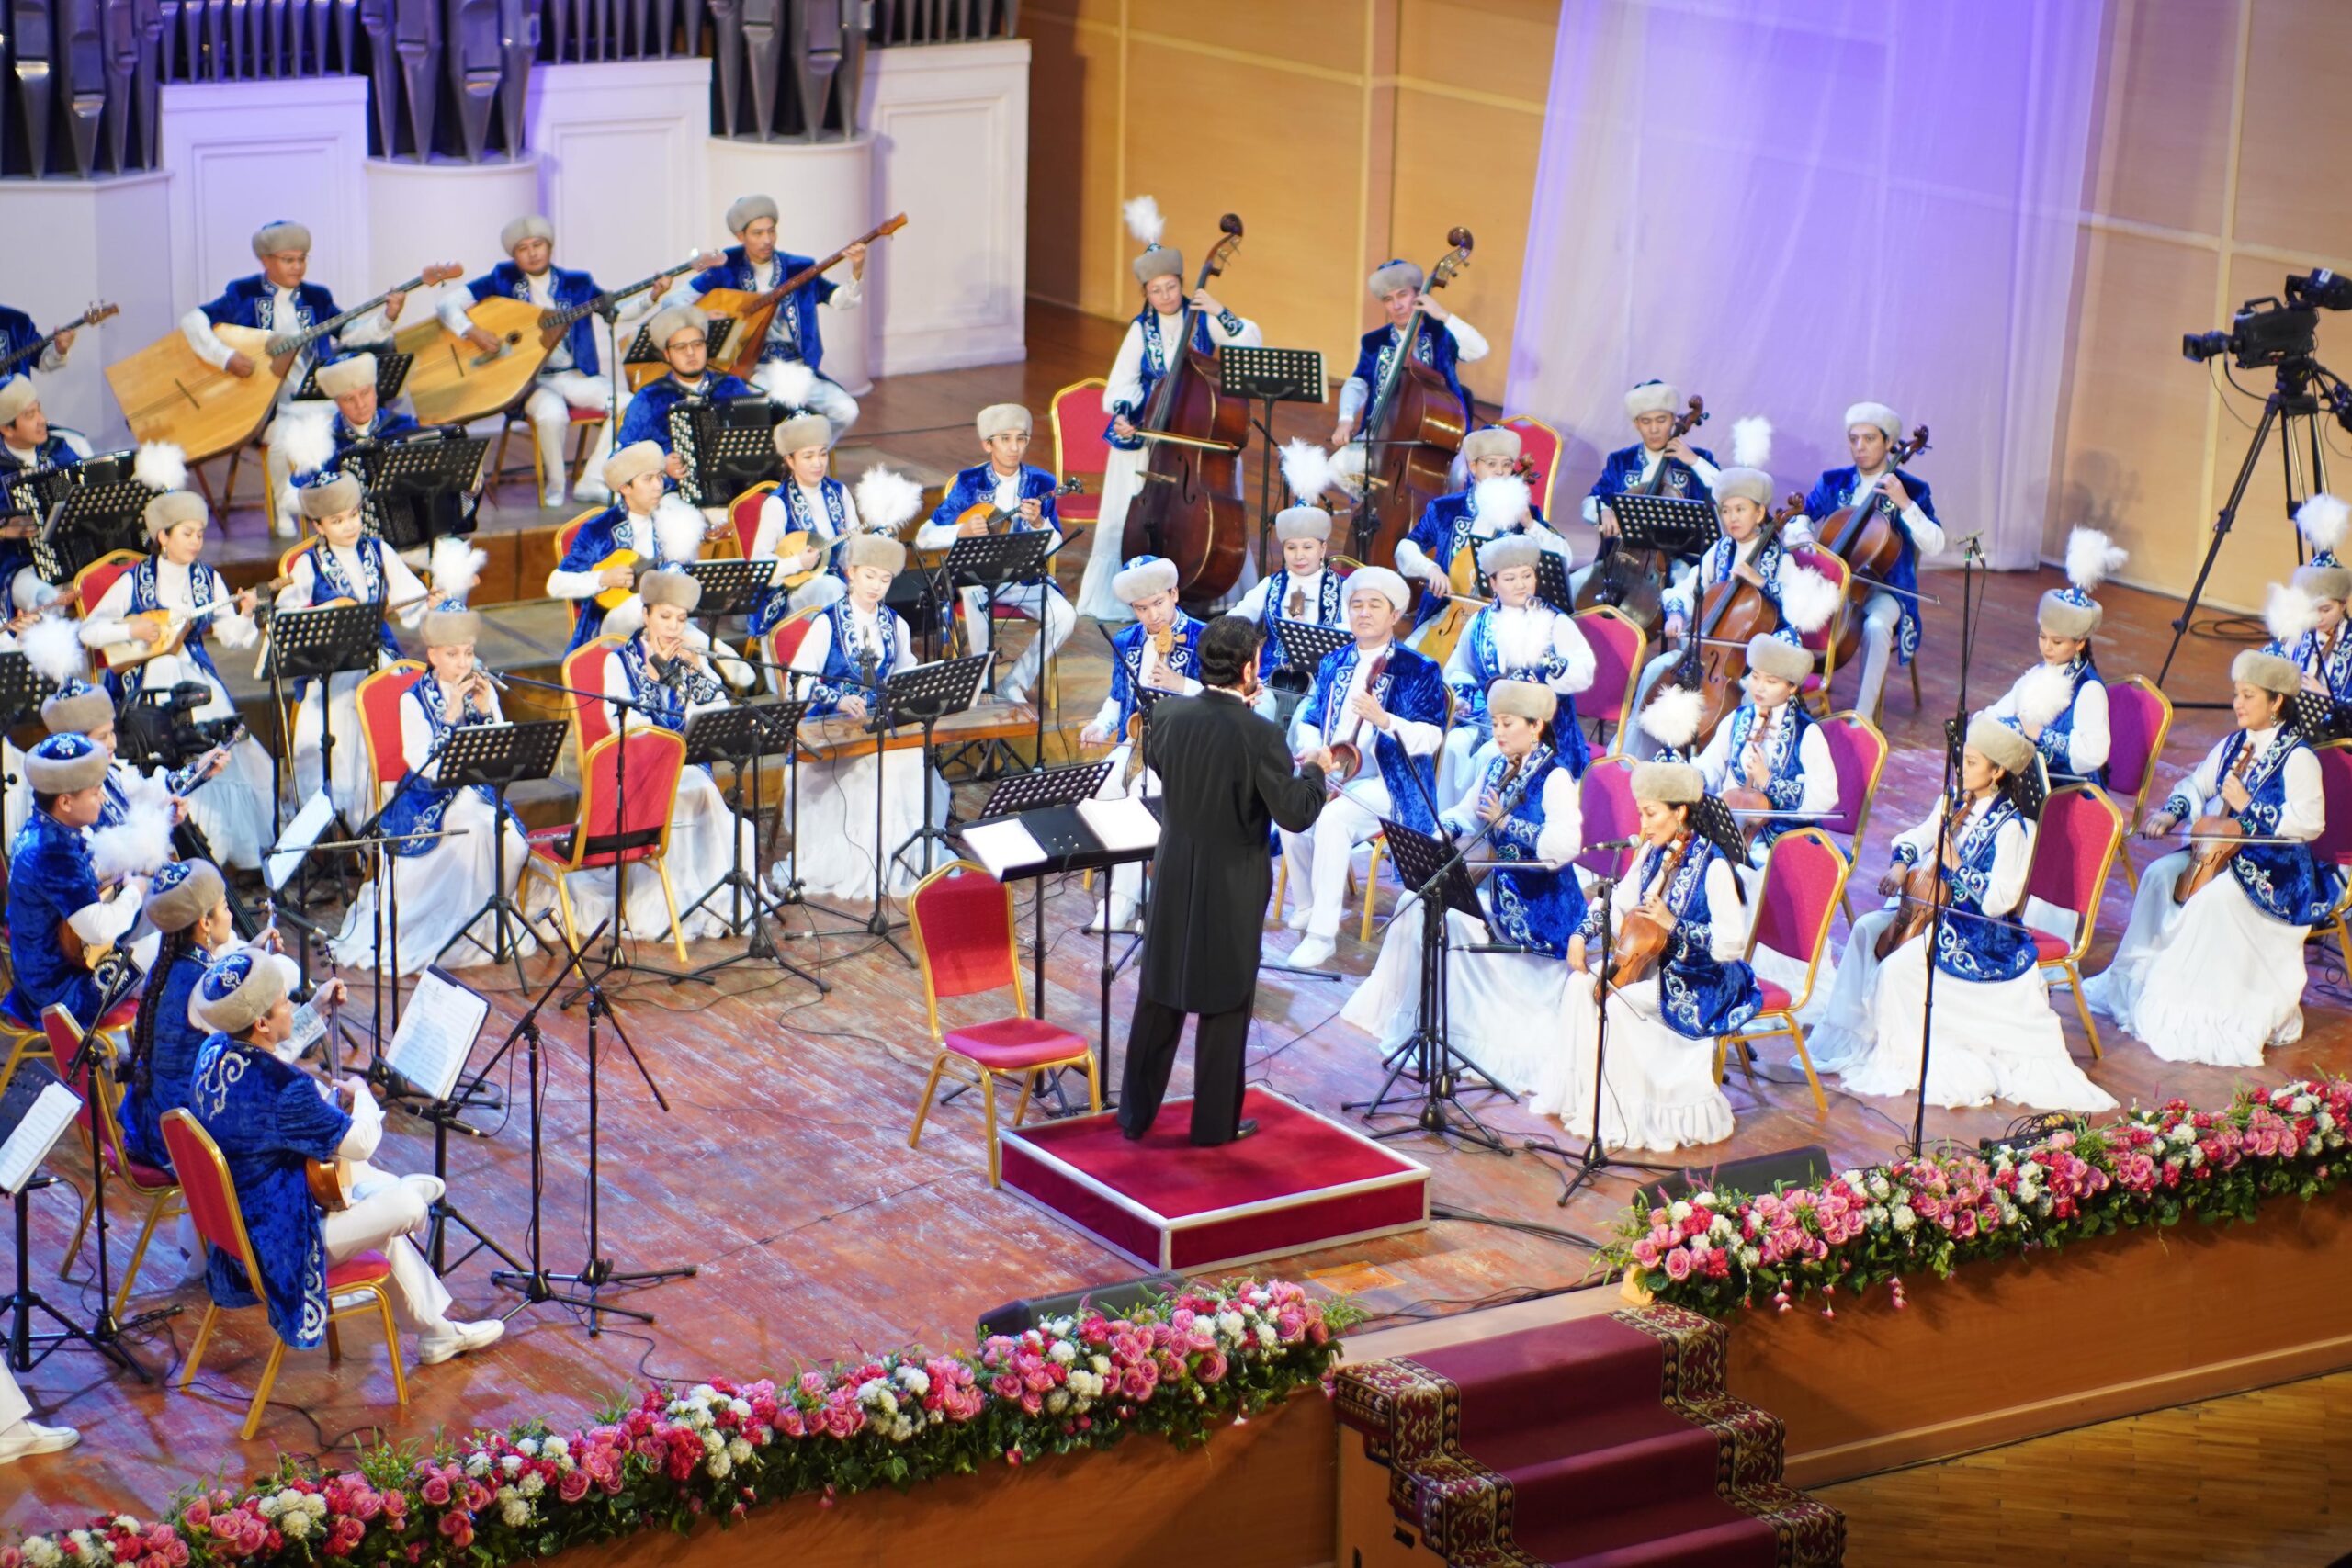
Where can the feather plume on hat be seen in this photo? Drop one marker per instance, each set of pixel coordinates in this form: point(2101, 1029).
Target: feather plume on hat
point(305, 443)
point(160, 466)
point(1307, 468)
point(886, 499)
point(141, 842)
point(2043, 692)
point(677, 529)
point(793, 383)
point(1807, 598)
point(2089, 559)
point(1751, 442)
point(2322, 519)
point(1502, 501)
point(2290, 612)
point(53, 646)
point(455, 567)
point(1144, 220)
point(1672, 717)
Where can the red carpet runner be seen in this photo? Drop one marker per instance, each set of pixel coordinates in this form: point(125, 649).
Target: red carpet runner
point(1606, 1442)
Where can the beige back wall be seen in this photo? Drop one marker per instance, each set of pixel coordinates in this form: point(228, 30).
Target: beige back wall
point(1342, 131)
point(2218, 171)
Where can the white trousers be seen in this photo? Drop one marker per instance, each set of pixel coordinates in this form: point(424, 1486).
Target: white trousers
point(825, 397)
point(388, 1215)
point(549, 408)
point(1042, 602)
point(1881, 613)
point(1316, 861)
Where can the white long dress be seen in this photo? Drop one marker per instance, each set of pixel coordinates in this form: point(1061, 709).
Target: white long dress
point(340, 716)
point(1660, 1089)
point(834, 842)
point(1492, 999)
point(436, 889)
point(2216, 979)
point(1993, 1040)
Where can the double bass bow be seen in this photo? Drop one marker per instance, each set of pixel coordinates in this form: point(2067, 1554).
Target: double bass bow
point(1189, 507)
point(1632, 580)
point(1413, 428)
point(1715, 648)
point(1869, 540)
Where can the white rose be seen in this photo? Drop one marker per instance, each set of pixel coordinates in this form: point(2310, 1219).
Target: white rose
point(1064, 1352)
point(918, 1382)
point(1058, 1402)
point(1678, 1211)
point(514, 1511)
point(738, 1448)
point(556, 1447)
point(1905, 1218)
point(294, 1523)
point(1267, 1336)
point(718, 1464)
point(511, 1463)
point(533, 1483)
point(478, 1465)
point(527, 1447)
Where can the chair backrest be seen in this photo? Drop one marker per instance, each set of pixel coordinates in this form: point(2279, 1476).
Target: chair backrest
point(784, 640)
point(64, 1032)
point(1857, 750)
point(654, 759)
point(1805, 876)
point(95, 578)
point(2334, 844)
point(1605, 801)
point(743, 513)
point(1078, 444)
point(1538, 445)
point(211, 1195)
point(584, 671)
point(567, 532)
point(2138, 718)
point(378, 699)
point(1617, 644)
point(962, 922)
point(2073, 849)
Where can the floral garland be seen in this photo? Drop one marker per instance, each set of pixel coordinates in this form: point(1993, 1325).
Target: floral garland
point(1205, 1358)
point(1722, 1250)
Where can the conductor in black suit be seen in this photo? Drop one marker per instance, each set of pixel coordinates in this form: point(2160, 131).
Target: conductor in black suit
point(1226, 778)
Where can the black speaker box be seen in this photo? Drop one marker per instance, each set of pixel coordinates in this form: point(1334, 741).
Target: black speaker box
point(1796, 1167)
point(1015, 1317)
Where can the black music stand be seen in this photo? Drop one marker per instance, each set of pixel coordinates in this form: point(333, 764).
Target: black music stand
point(1267, 377)
point(1305, 645)
point(740, 453)
point(416, 489)
point(391, 375)
point(1669, 524)
point(924, 696)
point(22, 691)
point(989, 562)
point(730, 588)
point(497, 757)
point(738, 734)
point(1551, 581)
point(317, 644)
point(90, 522)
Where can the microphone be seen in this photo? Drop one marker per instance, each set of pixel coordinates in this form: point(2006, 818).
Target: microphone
point(487, 673)
point(1613, 844)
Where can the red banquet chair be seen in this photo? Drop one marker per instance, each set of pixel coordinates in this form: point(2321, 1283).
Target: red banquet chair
point(100, 1121)
point(1858, 751)
point(744, 515)
point(2073, 850)
point(2333, 845)
point(1079, 447)
point(1618, 645)
point(2139, 717)
point(962, 922)
point(361, 1283)
point(1539, 447)
point(378, 699)
point(1805, 876)
point(28, 1039)
point(601, 836)
point(584, 671)
point(1605, 801)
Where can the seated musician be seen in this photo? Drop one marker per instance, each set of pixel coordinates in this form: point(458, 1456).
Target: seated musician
point(754, 266)
point(2218, 976)
point(1770, 747)
point(679, 331)
point(1658, 1087)
point(1519, 783)
point(2060, 703)
point(279, 298)
point(343, 563)
point(1470, 516)
point(270, 1120)
point(19, 331)
point(79, 708)
point(1445, 342)
point(1996, 1036)
point(1889, 620)
point(233, 810)
point(187, 902)
point(1660, 463)
point(659, 530)
point(1304, 591)
point(1150, 346)
point(317, 445)
point(1389, 703)
point(852, 647)
point(2322, 653)
point(1160, 652)
point(439, 883)
point(570, 376)
point(809, 501)
point(59, 921)
point(1024, 492)
point(1517, 637)
point(28, 440)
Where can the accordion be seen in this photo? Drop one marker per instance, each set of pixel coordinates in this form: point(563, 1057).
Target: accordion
point(727, 447)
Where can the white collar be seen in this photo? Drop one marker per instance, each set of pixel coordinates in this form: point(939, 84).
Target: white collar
point(1310, 577)
point(2258, 739)
point(24, 455)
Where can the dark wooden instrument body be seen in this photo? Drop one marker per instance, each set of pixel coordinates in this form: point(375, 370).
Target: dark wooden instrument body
point(1190, 507)
point(1641, 941)
point(1868, 540)
point(1634, 581)
point(1728, 614)
point(1925, 890)
point(1348, 756)
point(1414, 430)
point(2210, 858)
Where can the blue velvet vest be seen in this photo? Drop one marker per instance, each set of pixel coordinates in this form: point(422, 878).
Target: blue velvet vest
point(1784, 754)
point(1989, 948)
point(2286, 882)
point(1127, 669)
point(647, 415)
point(800, 517)
point(840, 677)
point(1535, 907)
point(806, 342)
point(330, 581)
point(146, 595)
point(1700, 996)
point(1486, 667)
point(1155, 366)
point(569, 288)
point(1330, 609)
point(1623, 472)
point(1837, 488)
point(1433, 345)
point(420, 808)
point(1412, 688)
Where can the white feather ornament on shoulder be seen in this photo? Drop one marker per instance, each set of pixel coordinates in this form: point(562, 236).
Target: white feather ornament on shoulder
point(1672, 717)
point(2289, 611)
point(53, 646)
point(2043, 692)
point(140, 843)
point(160, 466)
point(1807, 598)
point(887, 500)
point(678, 529)
point(1502, 501)
point(2090, 559)
point(1144, 220)
point(2322, 519)
point(305, 443)
point(455, 567)
point(792, 383)
point(1751, 442)
point(1307, 470)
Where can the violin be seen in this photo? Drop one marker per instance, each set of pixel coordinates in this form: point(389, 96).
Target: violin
point(1413, 428)
point(1714, 650)
point(1869, 540)
point(1631, 580)
point(1642, 942)
point(1347, 756)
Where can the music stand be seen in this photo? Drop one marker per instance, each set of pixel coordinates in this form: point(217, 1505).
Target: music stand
point(1667, 522)
point(91, 521)
point(391, 375)
point(1046, 803)
point(496, 757)
point(643, 350)
point(1551, 582)
point(737, 734)
point(730, 588)
point(989, 562)
point(1267, 377)
point(415, 487)
point(317, 644)
point(924, 696)
point(740, 453)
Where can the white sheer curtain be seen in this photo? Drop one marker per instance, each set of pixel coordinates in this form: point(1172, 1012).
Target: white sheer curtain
point(1790, 206)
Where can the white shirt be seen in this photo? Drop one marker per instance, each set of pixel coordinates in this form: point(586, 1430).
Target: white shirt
point(1469, 346)
point(105, 623)
point(2089, 740)
point(2304, 812)
point(775, 522)
point(1708, 474)
point(1125, 383)
point(75, 443)
point(196, 328)
point(784, 325)
point(401, 586)
point(1418, 740)
point(1559, 840)
point(2012, 851)
point(865, 631)
point(1283, 585)
point(1525, 637)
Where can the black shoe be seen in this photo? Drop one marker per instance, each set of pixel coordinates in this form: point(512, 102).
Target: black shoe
point(1248, 1127)
point(1133, 1134)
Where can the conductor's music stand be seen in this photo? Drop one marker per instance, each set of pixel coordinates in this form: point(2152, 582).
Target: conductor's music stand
point(990, 561)
point(1267, 377)
point(91, 521)
point(416, 489)
point(391, 375)
point(496, 757)
point(738, 734)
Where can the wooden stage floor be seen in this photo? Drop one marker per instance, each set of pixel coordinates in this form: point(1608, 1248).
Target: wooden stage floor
point(781, 1171)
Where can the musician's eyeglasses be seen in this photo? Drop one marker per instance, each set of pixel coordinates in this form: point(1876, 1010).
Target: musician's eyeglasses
point(678, 344)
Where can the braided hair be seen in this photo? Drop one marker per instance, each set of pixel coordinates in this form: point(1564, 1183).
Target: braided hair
point(176, 945)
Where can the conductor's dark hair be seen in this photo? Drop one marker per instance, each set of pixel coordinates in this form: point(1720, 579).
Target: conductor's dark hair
point(1229, 648)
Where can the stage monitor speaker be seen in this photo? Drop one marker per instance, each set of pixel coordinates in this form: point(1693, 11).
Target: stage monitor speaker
point(1015, 1317)
point(1796, 1167)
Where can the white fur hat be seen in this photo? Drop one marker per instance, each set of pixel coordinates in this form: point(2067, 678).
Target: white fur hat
point(1753, 484)
point(450, 628)
point(1158, 261)
point(998, 418)
point(330, 497)
point(2071, 611)
point(801, 432)
point(1507, 551)
point(1142, 577)
point(182, 892)
point(1528, 699)
point(1303, 523)
point(2006, 748)
point(1777, 656)
point(1885, 418)
point(1391, 275)
point(354, 373)
point(77, 709)
point(63, 763)
point(239, 989)
point(2325, 579)
point(669, 586)
point(637, 458)
point(2253, 667)
point(746, 210)
point(672, 319)
point(280, 235)
point(15, 395)
point(1384, 579)
point(172, 508)
point(1652, 397)
point(873, 549)
point(1668, 783)
point(1494, 441)
point(534, 227)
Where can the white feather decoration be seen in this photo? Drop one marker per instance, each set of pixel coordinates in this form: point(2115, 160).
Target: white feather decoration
point(1144, 220)
point(794, 383)
point(2090, 559)
point(1307, 468)
point(140, 843)
point(2322, 519)
point(2043, 692)
point(1751, 442)
point(1807, 598)
point(1502, 502)
point(887, 500)
point(677, 529)
point(1672, 717)
point(160, 466)
point(54, 646)
point(455, 568)
point(305, 443)
point(2290, 612)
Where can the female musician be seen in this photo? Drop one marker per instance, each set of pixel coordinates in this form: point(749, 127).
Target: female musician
point(341, 562)
point(809, 501)
point(234, 810)
point(1305, 590)
point(188, 903)
point(438, 882)
point(1389, 703)
point(2218, 977)
point(270, 1120)
point(1659, 1088)
point(2060, 703)
point(2323, 653)
point(1396, 284)
point(755, 265)
point(1517, 637)
point(679, 331)
point(659, 530)
point(1145, 353)
point(1517, 784)
point(79, 708)
point(1160, 652)
point(1890, 619)
point(1995, 1036)
point(852, 649)
point(1004, 484)
point(1770, 747)
point(1494, 503)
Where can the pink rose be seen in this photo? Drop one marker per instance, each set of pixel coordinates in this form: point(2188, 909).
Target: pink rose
point(437, 1490)
point(574, 1486)
point(1678, 1264)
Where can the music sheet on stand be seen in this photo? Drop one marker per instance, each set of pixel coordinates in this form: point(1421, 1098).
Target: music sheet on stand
point(1003, 847)
point(1120, 825)
point(51, 1113)
point(437, 1033)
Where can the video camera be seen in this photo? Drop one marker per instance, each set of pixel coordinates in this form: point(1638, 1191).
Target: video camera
point(2270, 331)
point(159, 731)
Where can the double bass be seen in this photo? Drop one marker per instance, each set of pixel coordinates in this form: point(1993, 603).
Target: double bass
point(1631, 580)
point(1869, 540)
point(1714, 648)
point(1189, 506)
point(1413, 430)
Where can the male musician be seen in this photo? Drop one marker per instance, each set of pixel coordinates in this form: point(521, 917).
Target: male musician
point(59, 921)
point(679, 330)
point(2323, 653)
point(1397, 285)
point(1770, 745)
point(637, 520)
point(1891, 614)
point(271, 1119)
point(1229, 781)
point(1469, 517)
point(1518, 639)
point(1305, 589)
point(1387, 702)
point(569, 377)
point(1660, 462)
point(26, 438)
point(806, 499)
point(18, 333)
point(1160, 652)
point(357, 420)
point(1024, 494)
point(79, 708)
point(755, 265)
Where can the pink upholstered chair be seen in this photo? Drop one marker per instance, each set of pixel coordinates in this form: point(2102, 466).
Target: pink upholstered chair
point(1618, 646)
point(1857, 750)
point(1823, 642)
point(1605, 798)
point(2139, 717)
point(2072, 853)
point(1079, 447)
point(1804, 877)
point(2333, 845)
point(1539, 447)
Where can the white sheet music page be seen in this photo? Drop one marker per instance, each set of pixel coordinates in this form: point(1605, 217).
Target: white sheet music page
point(51, 1113)
point(1003, 846)
point(437, 1033)
point(1120, 825)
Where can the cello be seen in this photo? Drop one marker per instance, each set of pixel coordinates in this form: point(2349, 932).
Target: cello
point(1868, 539)
point(1413, 430)
point(1715, 648)
point(1189, 507)
point(1631, 580)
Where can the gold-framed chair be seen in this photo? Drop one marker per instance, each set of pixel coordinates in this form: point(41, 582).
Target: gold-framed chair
point(1804, 877)
point(655, 758)
point(2139, 718)
point(2075, 847)
point(99, 1123)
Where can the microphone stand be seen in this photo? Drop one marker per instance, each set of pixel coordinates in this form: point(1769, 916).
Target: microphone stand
point(1971, 606)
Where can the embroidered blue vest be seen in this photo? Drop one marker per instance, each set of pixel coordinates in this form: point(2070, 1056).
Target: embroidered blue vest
point(2330, 663)
point(1836, 490)
point(1330, 609)
point(1155, 366)
point(1486, 667)
point(1784, 754)
point(569, 288)
point(1535, 908)
point(420, 806)
point(1411, 688)
point(1433, 345)
point(146, 594)
point(648, 416)
point(2057, 742)
point(18, 334)
point(977, 484)
point(1700, 996)
point(776, 604)
point(1989, 948)
point(1622, 473)
point(1127, 644)
point(49, 877)
point(1446, 528)
point(250, 301)
point(840, 677)
point(329, 581)
point(735, 272)
point(597, 538)
point(2286, 882)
